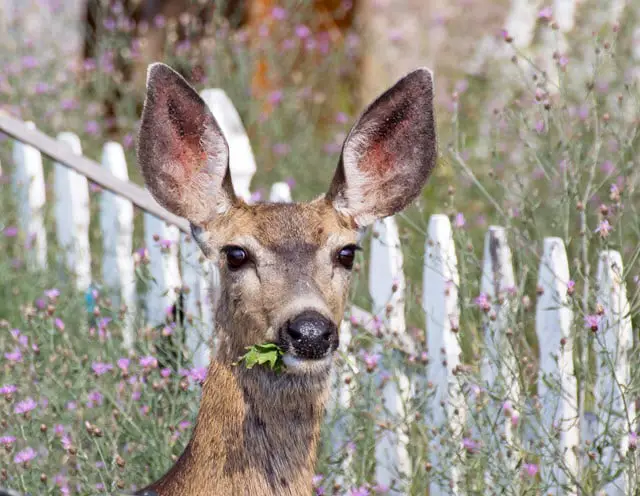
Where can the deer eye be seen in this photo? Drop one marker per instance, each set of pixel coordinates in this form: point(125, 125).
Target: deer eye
point(346, 256)
point(236, 256)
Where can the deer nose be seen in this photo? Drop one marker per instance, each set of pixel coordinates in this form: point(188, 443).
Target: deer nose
point(312, 335)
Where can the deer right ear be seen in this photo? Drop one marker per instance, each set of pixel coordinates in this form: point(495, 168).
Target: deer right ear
point(389, 153)
point(182, 152)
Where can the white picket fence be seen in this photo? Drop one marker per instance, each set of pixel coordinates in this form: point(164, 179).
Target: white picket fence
point(174, 262)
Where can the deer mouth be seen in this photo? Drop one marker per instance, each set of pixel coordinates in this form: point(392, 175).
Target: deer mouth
point(296, 365)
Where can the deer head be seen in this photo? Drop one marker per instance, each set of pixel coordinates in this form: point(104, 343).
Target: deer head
point(284, 268)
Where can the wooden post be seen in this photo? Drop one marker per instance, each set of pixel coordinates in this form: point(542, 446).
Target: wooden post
point(116, 224)
point(440, 304)
point(242, 161)
point(560, 401)
point(280, 193)
point(161, 240)
point(499, 366)
point(614, 341)
point(387, 289)
point(28, 186)
point(197, 307)
point(72, 216)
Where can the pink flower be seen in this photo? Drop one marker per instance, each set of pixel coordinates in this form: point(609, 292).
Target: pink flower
point(148, 362)
point(470, 445)
point(279, 14)
point(275, 97)
point(342, 118)
point(8, 389)
point(371, 360)
point(59, 323)
point(100, 368)
point(592, 322)
point(198, 374)
point(123, 364)
point(546, 13)
point(604, 228)
point(7, 440)
point(531, 469)
point(14, 356)
point(302, 31)
point(459, 220)
point(165, 372)
point(52, 293)
point(483, 302)
point(24, 456)
point(281, 148)
point(95, 399)
point(10, 231)
point(633, 440)
point(25, 406)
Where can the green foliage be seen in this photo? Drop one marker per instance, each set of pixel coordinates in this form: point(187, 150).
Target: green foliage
point(269, 354)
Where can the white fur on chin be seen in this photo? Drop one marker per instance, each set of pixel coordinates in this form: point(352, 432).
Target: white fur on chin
point(298, 365)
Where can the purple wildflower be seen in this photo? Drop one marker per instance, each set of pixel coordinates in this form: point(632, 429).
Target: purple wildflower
point(531, 469)
point(482, 301)
point(371, 360)
point(10, 231)
point(592, 322)
point(470, 445)
point(100, 368)
point(359, 491)
point(123, 364)
point(52, 293)
point(279, 13)
point(459, 221)
point(8, 389)
point(545, 13)
point(24, 456)
point(25, 406)
point(14, 356)
point(302, 31)
point(148, 362)
point(95, 399)
point(7, 440)
point(198, 374)
point(604, 228)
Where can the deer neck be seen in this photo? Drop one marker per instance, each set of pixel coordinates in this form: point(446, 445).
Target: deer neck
point(256, 433)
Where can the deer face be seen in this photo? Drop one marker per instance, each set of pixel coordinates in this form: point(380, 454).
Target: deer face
point(285, 269)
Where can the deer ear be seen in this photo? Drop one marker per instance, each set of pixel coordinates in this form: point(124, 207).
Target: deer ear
point(389, 153)
point(182, 152)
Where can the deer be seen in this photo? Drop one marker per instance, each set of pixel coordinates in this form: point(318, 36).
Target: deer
point(285, 270)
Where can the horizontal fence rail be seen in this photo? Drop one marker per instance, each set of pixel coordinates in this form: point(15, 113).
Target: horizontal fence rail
point(64, 155)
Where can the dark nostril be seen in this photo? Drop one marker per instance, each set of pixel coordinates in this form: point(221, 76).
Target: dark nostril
point(326, 333)
point(294, 332)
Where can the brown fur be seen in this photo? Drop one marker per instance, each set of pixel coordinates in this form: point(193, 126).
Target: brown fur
point(257, 430)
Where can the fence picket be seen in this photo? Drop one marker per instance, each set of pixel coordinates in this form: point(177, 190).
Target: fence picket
point(280, 193)
point(387, 290)
point(440, 304)
point(241, 160)
point(194, 284)
point(116, 224)
point(161, 241)
point(499, 363)
point(613, 344)
point(28, 186)
point(340, 402)
point(72, 216)
point(557, 385)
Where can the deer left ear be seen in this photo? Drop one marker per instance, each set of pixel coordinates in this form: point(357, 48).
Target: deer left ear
point(389, 153)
